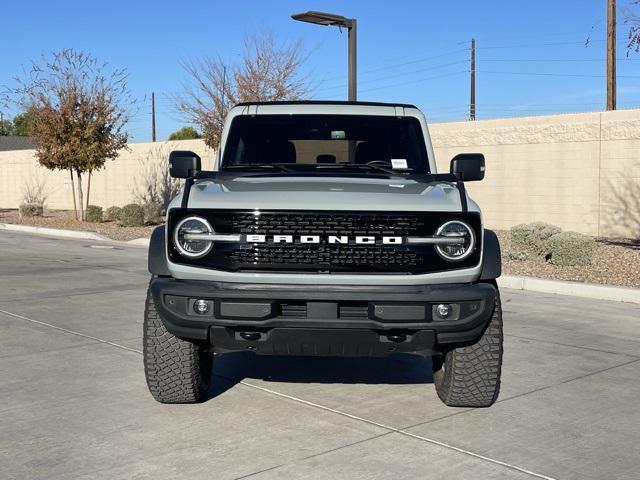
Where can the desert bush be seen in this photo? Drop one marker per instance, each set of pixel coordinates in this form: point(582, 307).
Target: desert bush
point(31, 209)
point(521, 242)
point(112, 214)
point(94, 214)
point(154, 185)
point(152, 213)
point(132, 215)
point(531, 240)
point(571, 249)
point(34, 196)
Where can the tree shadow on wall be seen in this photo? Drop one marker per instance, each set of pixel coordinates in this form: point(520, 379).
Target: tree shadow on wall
point(622, 212)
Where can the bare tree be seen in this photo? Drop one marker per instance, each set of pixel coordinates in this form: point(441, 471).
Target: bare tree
point(78, 111)
point(632, 18)
point(154, 185)
point(269, 71)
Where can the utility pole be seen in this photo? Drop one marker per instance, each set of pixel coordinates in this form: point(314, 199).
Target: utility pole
point(472, 99)
point(153, 117)
point(611, 55)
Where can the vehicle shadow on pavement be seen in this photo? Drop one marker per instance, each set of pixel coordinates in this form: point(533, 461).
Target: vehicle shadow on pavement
point(232, 368)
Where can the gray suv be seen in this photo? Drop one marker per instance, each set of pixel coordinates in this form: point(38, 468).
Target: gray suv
point(324, 229)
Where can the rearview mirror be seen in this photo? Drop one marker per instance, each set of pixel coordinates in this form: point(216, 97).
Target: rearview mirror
point(183, 164)
point(468, 166)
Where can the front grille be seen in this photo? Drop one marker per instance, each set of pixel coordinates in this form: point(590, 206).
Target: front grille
point(323, 223)
point(325, 257)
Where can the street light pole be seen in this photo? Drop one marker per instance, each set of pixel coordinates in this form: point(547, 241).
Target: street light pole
point(353, 49)
point(331, 19)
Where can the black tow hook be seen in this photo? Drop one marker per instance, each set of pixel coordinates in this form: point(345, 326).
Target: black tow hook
point(251, 336)
point(398, 338)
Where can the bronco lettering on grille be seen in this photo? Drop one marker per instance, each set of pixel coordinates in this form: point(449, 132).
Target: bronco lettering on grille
point(331, 239)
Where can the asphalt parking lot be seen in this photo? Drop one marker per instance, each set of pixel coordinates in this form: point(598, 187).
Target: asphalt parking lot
point(74, 404)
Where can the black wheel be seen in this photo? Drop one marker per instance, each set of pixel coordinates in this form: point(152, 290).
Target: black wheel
point(177, 371)
point(469, 376)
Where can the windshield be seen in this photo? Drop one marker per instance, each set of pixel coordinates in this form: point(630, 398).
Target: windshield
point(296, 142)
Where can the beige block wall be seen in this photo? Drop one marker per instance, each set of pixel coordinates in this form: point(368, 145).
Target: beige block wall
point(556, 169)
point(113, 185)
point(580, 171)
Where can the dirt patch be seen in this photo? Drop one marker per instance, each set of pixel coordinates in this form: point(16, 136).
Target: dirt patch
point(65, 219)
point(615, 262)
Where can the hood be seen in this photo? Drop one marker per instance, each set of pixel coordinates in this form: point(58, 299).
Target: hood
point(325, 193)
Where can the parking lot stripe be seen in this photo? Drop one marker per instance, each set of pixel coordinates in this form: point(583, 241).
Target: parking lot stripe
point(71, 332)
point(315, 405)
point(403, 432)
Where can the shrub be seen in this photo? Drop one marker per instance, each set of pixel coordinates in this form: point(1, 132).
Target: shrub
point(571, 249)
point(132, 215)
point(153, 184)
point(152, 213)
point(112, 214)
point(31, 210)
point(521, 242)
point(94, 214)
point(517, 255)
point(542, 232)
point(531, 240)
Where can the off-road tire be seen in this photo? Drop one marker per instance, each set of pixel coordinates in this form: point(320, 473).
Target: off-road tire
point(177, 370)
point(469, 376)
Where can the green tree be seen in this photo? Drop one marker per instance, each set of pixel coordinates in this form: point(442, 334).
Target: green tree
point(185, 133)
point(6, 128)
point(21, 124)
point(78, 113)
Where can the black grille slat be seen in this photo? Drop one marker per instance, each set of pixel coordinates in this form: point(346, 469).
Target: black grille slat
point(293, 310)
point(250, 223)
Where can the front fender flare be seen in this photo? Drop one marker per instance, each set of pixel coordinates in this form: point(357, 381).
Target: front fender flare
point(157, 259)
point(491, 258)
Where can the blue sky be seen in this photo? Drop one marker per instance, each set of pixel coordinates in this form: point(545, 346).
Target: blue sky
point(531, 56)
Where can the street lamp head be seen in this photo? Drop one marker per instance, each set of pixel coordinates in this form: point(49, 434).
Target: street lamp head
point(321, 18)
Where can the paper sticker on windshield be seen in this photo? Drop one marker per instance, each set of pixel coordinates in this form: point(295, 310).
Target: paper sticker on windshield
point(399, 163)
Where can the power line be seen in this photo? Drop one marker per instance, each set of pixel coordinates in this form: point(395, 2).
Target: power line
point(411, 62)
point(551, 59)
point(551, 44)
point(402, 74)
point(553, 74)
point(452, 74)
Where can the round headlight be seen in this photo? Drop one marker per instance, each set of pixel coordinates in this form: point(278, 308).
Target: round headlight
point(189, 247)
point(456, 251)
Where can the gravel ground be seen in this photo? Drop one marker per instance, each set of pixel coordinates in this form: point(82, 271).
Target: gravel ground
point(615, 262)
point(66, 219)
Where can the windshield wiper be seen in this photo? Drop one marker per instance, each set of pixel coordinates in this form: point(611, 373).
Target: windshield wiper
point(278, 166)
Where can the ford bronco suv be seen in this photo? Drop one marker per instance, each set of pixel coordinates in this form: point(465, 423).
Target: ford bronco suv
point(325, 230)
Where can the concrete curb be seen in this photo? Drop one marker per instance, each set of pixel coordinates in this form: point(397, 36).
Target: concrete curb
point(77, 234)
point(576, 289)
point(531, 284)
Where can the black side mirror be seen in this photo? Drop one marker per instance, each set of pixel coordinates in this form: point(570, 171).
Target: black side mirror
point(183, 164)
point(468, 166)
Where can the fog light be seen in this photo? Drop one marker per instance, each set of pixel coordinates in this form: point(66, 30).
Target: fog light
point(446, 311)
point(201, 307)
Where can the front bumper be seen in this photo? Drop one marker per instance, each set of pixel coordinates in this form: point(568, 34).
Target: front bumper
point(343, 320)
